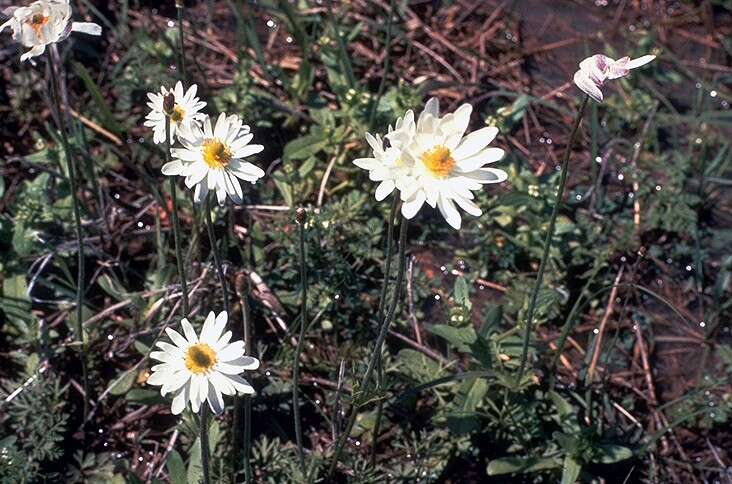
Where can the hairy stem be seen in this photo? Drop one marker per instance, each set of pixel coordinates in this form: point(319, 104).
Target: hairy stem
point(380, 315)
point(203, 417)
point(377, 348)
point(215, 252)
point(181, 42)
point(298, 350)
point(387, 65)
point(54, 68)
point(548, 240)
point(176, 228)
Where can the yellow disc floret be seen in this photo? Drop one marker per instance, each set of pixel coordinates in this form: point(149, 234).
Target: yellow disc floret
point(200, 358)
point(216, 154)
point(178, 114)
point(37, 22)
point(438, 161)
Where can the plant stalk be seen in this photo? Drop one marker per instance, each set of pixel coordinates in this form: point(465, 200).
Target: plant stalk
point(387, 65)
point(247, 398)
point(377, 348)
point(203, 417)
point(54, 68)
point(176, 227)
point(380, 315)
point(298, 349)
point(548, 239)
point(181, 42)
point(215, 252)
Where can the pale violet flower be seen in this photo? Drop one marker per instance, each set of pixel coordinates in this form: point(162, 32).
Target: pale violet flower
point(447, 165)
point(44, 22)
point(387, 166)
point(211, 158)
point(185, 113)
point(200, 368)
point(595, 70)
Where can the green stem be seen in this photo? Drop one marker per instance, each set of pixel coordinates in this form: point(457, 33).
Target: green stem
point(72, 169)
point(247, 398)
point(377, 348)
point(176, 228)
point(181, 44)
point(298, 350)
point(215, 252)
point(382, 304)
point(343, 56)
point(548, 239)
point(203, 417)
point(387, 64)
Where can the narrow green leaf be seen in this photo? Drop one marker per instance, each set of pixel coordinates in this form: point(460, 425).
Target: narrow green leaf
point(570, 470)
point(513, 465)
point(176, 468)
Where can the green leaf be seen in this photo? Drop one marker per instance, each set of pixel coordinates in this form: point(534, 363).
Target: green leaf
point(15, 301)
point(461, 337)
point(513, 465)
point(285, 188)
point(570, 470)
point(104, 110)
point(564, 408)
point(144, 396)
point(176, 468)
point(462, 292)
point(464, 419)
point(195, 469)
point(122, 384)
point(417, 366)
point(611, 453)
point(304, 147)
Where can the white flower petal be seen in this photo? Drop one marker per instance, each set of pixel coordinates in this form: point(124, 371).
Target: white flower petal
point(189, 331)
point(231, 352)
point(180, 400)
point(215, 400)
point(412, 206)
point(475, 142)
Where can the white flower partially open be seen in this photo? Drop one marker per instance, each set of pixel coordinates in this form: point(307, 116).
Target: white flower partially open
point(44, 22)
point(211, 158)
point(185, 113)
point(387, 166)
point(595, 70)
point(201, 368)
point(447, 165)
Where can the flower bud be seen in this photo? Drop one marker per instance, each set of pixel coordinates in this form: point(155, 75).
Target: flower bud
point(241, 284)
point(300, 215)
point(169, 104)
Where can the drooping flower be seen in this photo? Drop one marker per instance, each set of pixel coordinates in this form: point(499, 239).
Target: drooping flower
point(447, 165)
point(185, 111)
point(44, 22)
point(201, 368)
point(387, 166)
point(211, 158)
point(595, 70)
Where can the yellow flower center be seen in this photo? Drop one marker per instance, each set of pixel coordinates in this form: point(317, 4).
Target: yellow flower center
point(216, 154)
point(200, 358)
point(37, 22)
point(178, 114)
point(438, 161)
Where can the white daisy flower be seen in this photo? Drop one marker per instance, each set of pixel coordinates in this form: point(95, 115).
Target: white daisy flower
point(201, 368)
point(387, 166)
point(211, 158)
point(186, 111)
point(44, 22)
point(448, 166)
point(595, 70)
